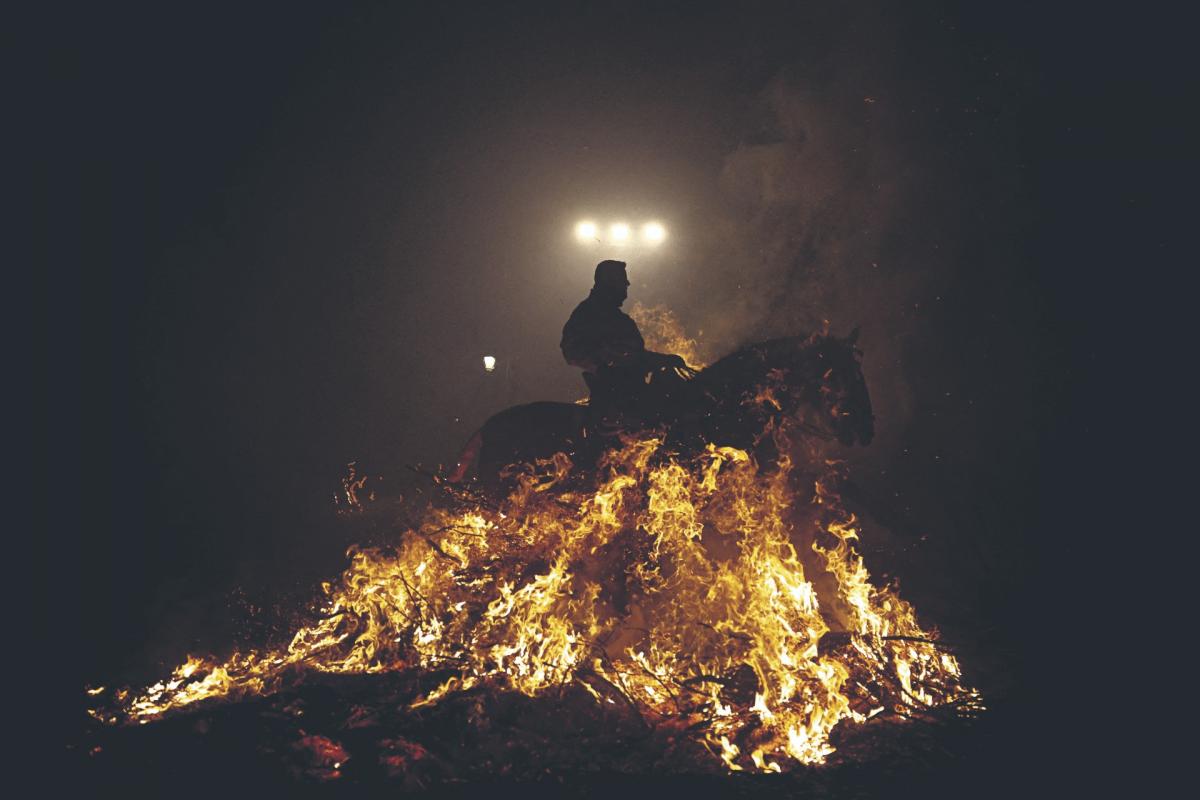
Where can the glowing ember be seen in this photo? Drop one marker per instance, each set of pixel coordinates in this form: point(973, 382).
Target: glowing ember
point(722, 600)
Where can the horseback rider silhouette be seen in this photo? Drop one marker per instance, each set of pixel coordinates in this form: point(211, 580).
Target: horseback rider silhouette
point(813, 379)
point(627, 382)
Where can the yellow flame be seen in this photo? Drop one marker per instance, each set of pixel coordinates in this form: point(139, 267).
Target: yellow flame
point(746, 607)
point(663, 333)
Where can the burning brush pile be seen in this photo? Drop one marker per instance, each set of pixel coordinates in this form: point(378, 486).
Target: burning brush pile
point(667, 613)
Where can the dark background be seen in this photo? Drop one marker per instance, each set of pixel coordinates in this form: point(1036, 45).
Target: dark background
point(282, 238)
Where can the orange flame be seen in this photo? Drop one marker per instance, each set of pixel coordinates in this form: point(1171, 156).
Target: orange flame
point(663, 333)
point(713, 595)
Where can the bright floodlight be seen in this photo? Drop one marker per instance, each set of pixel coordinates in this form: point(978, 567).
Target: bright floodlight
point(489, 363)
point(654, 232)
point(619, 232)
point(586, 231)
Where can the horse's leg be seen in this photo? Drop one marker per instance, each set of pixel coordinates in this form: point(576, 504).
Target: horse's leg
point(467, 459)
point(496, 453)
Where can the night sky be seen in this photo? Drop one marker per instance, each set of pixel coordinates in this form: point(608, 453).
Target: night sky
point(289, 236)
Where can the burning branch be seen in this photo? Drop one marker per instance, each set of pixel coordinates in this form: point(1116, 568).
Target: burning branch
point(713, 587)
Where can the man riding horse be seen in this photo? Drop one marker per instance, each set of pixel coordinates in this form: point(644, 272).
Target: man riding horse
point(815, 380)
point(628, 384)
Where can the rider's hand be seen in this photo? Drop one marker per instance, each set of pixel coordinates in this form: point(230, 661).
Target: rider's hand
point(680, 367)
point(687, 373)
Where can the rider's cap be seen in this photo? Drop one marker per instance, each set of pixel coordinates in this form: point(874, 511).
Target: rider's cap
point(611, 272)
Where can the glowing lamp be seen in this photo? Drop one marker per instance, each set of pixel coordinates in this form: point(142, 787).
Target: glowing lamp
point(653, 233)
point(585, 231)
point(489, 363)
point(619, 232)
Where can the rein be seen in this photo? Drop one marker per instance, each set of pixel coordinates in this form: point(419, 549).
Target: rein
point(813, 430)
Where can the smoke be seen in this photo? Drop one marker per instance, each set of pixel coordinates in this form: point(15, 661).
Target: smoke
point(875, 180)
point(836, 212)
point(806, 214)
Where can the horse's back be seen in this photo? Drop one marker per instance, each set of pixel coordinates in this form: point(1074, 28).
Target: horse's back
point(539, 413)
point(530, 431)
point(728, 403)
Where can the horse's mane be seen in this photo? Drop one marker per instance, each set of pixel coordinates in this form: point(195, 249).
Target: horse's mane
point(766, 352)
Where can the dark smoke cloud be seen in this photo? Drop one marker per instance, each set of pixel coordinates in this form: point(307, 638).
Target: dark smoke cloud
point(812, 202)
point(845, 204)
point(876, 181)
point(807, 209)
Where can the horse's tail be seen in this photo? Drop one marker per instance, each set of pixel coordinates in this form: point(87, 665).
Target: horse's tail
point(468, 459)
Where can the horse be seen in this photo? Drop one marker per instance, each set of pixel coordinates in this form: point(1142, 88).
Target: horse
point(814, 380)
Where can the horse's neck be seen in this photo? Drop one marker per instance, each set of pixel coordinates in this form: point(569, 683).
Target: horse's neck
point(754, 362)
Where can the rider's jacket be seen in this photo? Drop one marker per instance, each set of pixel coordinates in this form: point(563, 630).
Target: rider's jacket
point(599, 335)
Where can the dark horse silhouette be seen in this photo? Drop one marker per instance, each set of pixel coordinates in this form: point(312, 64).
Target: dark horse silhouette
point(816, 381)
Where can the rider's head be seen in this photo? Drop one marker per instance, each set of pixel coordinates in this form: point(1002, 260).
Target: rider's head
point(612, 281)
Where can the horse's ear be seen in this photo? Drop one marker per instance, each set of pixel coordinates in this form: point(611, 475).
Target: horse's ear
point(853, 337)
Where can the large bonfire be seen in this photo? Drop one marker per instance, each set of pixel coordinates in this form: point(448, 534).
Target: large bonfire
point(715, 597)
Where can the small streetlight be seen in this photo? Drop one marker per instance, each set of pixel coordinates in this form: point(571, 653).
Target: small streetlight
point(489, 363)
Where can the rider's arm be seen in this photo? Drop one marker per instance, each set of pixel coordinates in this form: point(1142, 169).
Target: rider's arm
point(579, 346)
point(591, 344)
point(664, 360)
point(670, 361)
point(578, 356)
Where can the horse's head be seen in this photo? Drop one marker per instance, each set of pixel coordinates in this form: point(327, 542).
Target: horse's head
point(843, 399)
point(817, 380)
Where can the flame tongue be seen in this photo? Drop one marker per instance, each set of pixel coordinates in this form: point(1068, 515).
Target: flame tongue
point(709, 594)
